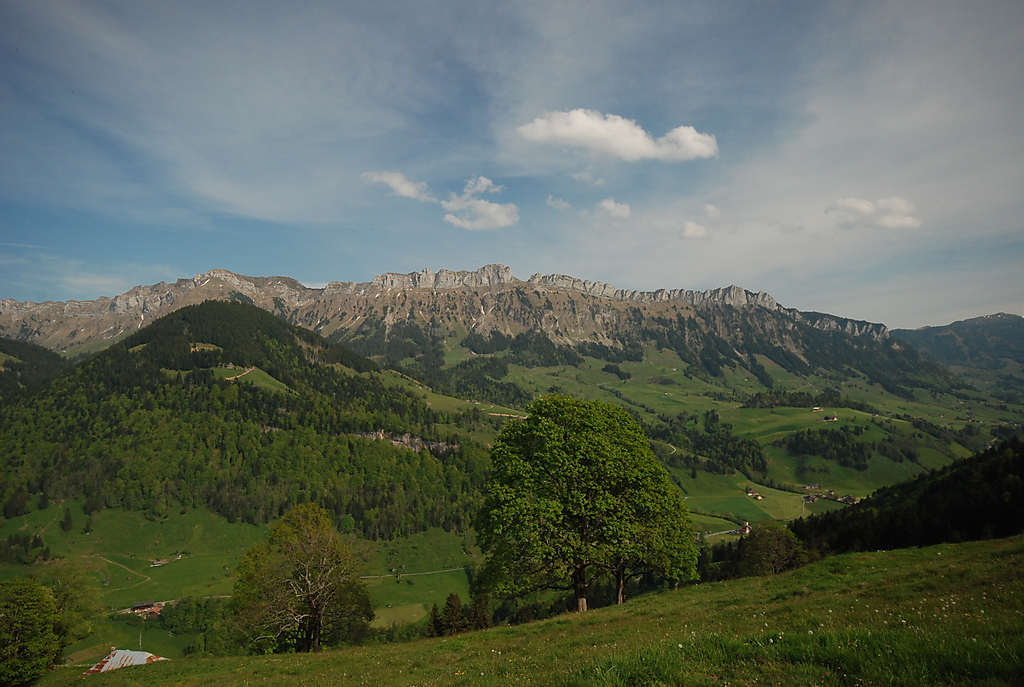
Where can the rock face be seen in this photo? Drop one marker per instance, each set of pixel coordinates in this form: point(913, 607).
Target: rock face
point(568, 309)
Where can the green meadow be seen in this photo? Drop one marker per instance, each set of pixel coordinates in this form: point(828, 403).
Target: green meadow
point(199, 547)
point(942, 615)
point(405, 576)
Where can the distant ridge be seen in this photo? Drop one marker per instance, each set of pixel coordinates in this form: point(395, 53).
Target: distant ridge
point(80, 326)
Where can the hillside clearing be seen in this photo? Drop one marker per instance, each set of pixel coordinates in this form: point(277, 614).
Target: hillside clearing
point(942, 615)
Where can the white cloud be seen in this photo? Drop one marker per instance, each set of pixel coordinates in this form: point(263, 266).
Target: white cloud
point(618, 136)
point(711, 211)
point(400, 185)
point(476, 213)
point(887, 213)
point(620, 210)
point(692, 230)
point(473, 212)
point(557, 203)
point(587, 177)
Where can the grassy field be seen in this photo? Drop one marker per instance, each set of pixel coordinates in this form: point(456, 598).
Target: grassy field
point(254, 376)
point(123, 545)
point(412, 573)
point(943, 615)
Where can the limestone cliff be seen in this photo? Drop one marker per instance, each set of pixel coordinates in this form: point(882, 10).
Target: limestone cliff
point(567, 309)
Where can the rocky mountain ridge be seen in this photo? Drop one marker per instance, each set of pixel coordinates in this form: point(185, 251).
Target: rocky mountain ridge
point(488, 299)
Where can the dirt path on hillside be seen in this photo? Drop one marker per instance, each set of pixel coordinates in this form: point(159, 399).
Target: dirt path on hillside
point(247, 371)
point(133, 572)
point(432, 572)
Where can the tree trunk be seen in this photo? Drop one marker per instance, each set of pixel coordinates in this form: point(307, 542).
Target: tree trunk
point(620, 579)
point(579, 583)
point(314, 644)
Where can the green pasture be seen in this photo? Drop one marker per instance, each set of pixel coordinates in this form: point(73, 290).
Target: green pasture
point(942, 615)
point(786, 469)
point(420, 570)
point(707, 523)
point(407, 598)
point(256, 376)
point(726, 494)
point(123, 544)
point(439, 402)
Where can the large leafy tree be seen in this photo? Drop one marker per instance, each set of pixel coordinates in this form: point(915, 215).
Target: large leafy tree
point(28, 642)
point(75, 596)
point(576, 493)
point(299, 587)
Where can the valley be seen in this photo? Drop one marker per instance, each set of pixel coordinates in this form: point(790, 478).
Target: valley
point(946, 615)
point(195, 430)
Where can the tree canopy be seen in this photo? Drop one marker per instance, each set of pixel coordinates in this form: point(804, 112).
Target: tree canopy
point(299, 588)
point(28, 642)
point(75, 596)
point(575, 494)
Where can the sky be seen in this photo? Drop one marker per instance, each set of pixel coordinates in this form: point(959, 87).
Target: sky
point(860, 158)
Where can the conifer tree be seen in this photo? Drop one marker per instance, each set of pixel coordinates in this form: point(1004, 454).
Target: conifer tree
point(435, 626)
point(453, 618)
point(479, 611)
point(67, 523)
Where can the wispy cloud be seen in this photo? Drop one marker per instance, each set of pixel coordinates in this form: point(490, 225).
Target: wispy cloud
point(692, 230)
point(887, 213)
point(466, 210)
point(588, 178)
point(417, 190)
point(617, 136)
point(618, 210)
point(557, 203)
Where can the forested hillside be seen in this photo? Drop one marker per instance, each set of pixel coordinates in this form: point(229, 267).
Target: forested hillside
point(225, 406)
point(981, 497)
point(988, 351)
point(25, 367)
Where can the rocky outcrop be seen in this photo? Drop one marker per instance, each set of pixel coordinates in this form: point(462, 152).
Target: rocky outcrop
point(490, 298)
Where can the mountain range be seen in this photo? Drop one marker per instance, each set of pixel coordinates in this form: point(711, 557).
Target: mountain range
point(340, 308)
point(420, 317)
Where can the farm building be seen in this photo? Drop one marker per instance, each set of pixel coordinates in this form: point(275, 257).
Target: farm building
point(122, 658)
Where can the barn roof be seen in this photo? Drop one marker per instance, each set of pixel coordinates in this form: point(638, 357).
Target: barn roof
point(122, 658)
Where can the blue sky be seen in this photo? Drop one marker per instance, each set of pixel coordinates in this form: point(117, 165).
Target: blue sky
point(859, 158)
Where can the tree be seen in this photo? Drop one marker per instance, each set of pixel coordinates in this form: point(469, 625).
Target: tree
point(576, 493)
point(67, 523)
point(769, 550)
point(479, 610)
point(299, 586)
point(435, 626)
point(28, 643)
point(655, 535)
point(75, 597)
point(453, 618)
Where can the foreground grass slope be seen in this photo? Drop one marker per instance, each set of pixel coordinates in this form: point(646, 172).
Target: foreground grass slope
point(943, 615)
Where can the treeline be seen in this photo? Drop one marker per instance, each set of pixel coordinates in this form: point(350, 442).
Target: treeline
point(23, 548)
point(793, 343)
point(829, 398)
point(837, 445)
point(418, 351)
point(979, 497)
point(25, 367)
point(710, 446)
point(133, 430)
point(529, 349)
point(843, 446)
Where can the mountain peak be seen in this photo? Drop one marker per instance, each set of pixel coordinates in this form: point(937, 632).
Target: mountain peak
point(341, 308)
